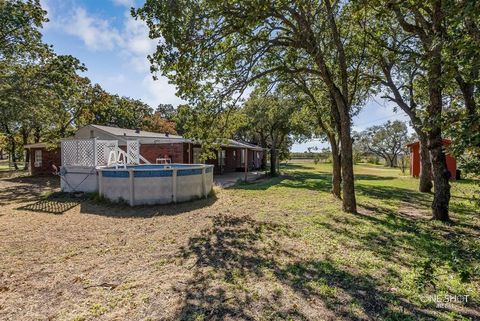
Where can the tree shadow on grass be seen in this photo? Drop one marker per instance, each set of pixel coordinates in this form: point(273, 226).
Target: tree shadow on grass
point(350, 295)
point(225, 255)
point(315, 181)
point(122, 210)
point(394, 194)
point(416, 244)
point(243, 271)
point(26, 188)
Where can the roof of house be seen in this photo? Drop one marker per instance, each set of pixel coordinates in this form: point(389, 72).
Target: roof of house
point(238, 144)
point(146, 137)
point(117, 131)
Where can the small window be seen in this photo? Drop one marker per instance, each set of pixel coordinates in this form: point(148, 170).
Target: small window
point(38, 158)
point(242, 156)
point(234, 154)
point(258, 155)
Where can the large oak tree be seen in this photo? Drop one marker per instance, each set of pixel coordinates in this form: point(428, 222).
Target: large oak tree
point(214, 49)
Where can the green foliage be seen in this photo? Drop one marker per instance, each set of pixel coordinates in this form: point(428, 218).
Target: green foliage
point(20, 21)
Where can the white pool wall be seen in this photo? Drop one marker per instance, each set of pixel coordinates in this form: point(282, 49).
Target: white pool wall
point(156, 186)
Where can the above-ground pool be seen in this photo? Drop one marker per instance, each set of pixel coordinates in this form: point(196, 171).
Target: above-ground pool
point(155, 184)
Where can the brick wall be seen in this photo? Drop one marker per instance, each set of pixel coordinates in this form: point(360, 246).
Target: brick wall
point(49, 158)
point(173, 151)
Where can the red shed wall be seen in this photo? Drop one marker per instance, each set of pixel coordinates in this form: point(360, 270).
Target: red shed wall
point(415, 164)
point(49, 158)
point(452, 166)
point(415, 160)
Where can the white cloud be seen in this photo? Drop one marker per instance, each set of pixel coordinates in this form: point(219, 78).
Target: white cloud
point(136, 44)
point(127, 3)
point(126, 38)
point(117, 79)
point(96, 33)
point(130, 38)
point(159, 91)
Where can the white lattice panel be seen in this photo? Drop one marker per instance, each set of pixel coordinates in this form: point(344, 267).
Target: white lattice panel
point(133, 151)
point(78, 152)
point(69, 152)
point(104, 147)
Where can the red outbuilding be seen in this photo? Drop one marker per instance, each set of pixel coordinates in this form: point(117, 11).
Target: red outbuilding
point(415, 164)
point(42, 158)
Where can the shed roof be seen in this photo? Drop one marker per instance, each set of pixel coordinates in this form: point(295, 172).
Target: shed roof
point(36, 145)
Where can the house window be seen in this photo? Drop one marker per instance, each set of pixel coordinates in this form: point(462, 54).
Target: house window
point(242, 156)
point(234, 154)
point(221, 157)
point(38, 158)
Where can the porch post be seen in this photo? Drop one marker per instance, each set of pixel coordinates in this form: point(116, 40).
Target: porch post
point(246, 164)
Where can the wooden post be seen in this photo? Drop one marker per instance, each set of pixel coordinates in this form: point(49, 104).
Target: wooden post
point(204, 182)
point(100, 185)
point(174, 185)
point(246, 164)
point(132, 186)
point(95, 156)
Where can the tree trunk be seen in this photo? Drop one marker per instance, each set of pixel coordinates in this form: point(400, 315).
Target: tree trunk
point(425, 185)
point(468, 92)
point(440, 171)
point(348, 185)
point(337, 169)
point(27, 160)
point(13, 157)
point(273, 162)
point(25, 142)
point(441, 177)
point(390, 161)
point(36, 135)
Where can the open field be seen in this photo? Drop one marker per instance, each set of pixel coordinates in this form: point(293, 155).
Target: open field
point(277, 249)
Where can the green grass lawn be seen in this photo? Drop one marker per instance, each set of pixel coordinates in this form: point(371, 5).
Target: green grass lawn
point(388, 261)
point(5, 165)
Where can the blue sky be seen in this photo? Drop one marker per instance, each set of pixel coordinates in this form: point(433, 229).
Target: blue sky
point(114, 47)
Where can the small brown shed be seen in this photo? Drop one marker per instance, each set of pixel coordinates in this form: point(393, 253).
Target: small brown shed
point(42, 158)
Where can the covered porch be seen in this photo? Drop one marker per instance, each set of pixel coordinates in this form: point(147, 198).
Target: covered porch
point(229, 179)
